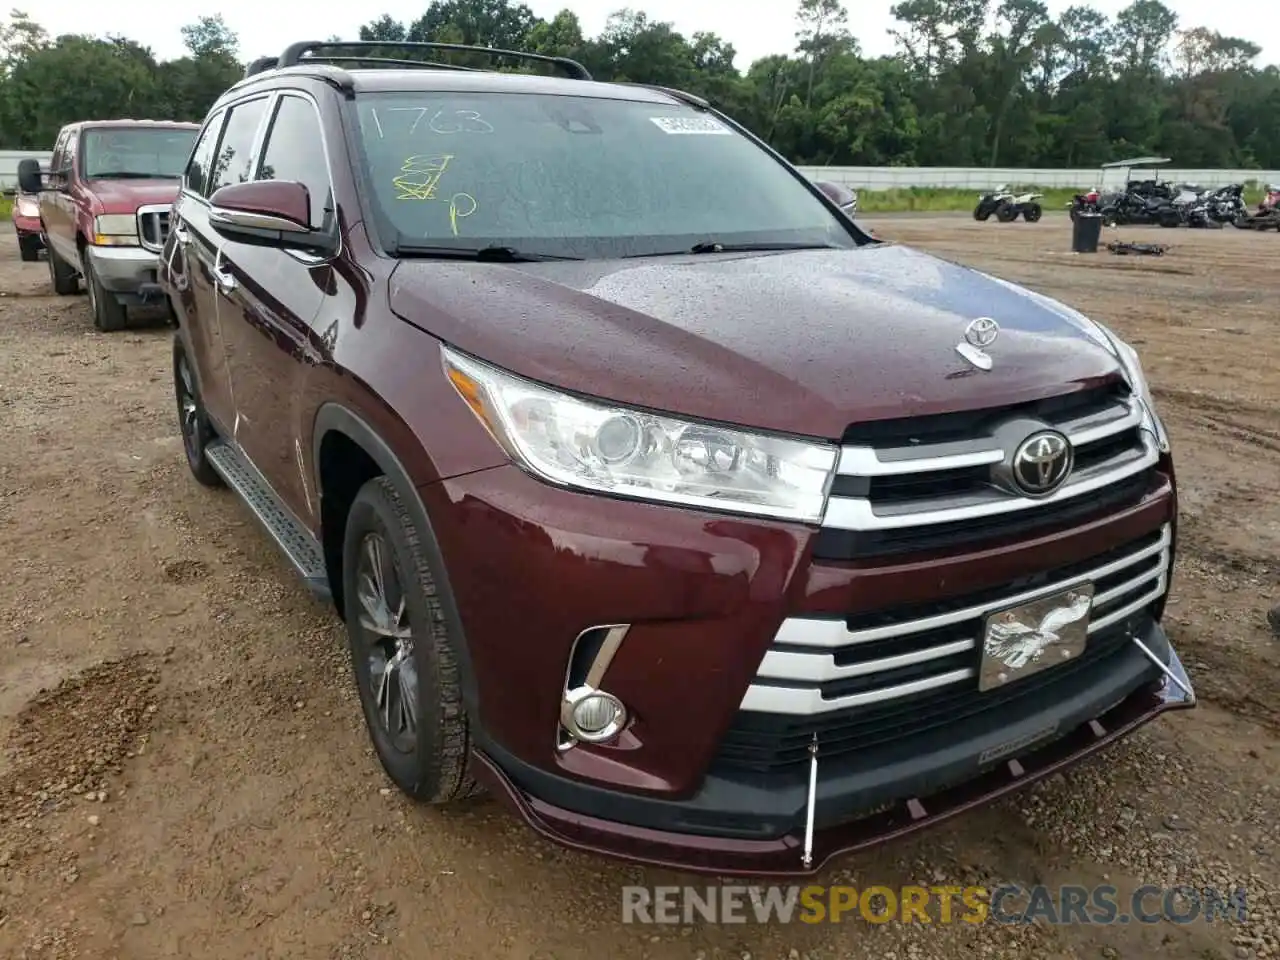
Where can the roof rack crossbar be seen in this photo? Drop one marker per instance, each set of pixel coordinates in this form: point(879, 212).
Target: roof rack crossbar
point(295, 54)
point(422, 64)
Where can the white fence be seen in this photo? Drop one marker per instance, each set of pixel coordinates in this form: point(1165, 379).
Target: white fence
point(887, 178)
point(983, 178)
point(9, 165)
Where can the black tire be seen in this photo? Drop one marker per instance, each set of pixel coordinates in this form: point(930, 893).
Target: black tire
point(193, 424)
point(29, 248)
point(1032, 213)
point(1006, 213)
point(431, 765)
point(108, 314)
point(62, 276)
point(981, 213)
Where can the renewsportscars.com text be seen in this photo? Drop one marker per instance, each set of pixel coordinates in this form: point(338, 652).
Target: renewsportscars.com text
point(940, 904)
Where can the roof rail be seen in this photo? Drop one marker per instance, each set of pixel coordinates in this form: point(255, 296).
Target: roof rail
point(261, 65)
point(296, 54)
point(682, 95)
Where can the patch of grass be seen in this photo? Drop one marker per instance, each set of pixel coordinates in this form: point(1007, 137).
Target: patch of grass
point(6, 206)
point(948, 200)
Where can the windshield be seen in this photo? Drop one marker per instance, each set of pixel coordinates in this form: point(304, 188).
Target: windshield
point(138, 153)
point(577, 177)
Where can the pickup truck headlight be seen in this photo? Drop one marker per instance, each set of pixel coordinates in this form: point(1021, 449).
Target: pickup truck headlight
point(1138, 384)
point(115, 230)
point(28, 207)
point(600, 447)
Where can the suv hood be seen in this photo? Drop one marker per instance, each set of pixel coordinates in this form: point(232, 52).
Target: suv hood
point(803, 342)
point(126, 196)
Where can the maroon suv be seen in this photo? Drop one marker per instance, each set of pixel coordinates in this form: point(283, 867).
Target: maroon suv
point(701, 526)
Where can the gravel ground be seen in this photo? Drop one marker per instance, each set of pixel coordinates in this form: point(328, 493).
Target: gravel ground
point(186, 774)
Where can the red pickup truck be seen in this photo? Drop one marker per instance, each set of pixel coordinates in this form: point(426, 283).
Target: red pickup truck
point(104, 209)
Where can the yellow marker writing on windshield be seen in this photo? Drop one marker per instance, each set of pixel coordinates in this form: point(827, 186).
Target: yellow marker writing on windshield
point(460, 205)
point(419, 176)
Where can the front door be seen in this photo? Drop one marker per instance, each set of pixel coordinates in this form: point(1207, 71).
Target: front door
point(272, 299)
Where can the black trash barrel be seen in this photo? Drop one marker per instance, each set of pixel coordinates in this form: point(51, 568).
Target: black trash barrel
point(1085, 232)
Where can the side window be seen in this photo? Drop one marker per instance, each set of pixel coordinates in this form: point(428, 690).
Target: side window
point(295, 151)
point(59, 153)
point(233, 162)
point(69, 157)
point(197, 176)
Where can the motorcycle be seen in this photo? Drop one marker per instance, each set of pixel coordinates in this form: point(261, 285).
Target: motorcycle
point(1083, 203)
point(1007, 207)
point(1267, 216)
point(1226, 204)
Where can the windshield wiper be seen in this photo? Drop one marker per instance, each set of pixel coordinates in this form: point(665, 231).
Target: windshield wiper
point(132, 175)
point(713, 246)
point(492, 254)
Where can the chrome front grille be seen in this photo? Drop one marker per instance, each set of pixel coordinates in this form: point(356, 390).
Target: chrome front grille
point(816, 666)
point(932, 483)
point(153, 226)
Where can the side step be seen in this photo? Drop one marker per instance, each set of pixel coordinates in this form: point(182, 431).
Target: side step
point(297, 543)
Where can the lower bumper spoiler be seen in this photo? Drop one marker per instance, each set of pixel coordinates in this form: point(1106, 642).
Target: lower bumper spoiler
point(784, 857)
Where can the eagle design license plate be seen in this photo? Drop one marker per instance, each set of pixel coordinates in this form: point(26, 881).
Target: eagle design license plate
point(1033, 636)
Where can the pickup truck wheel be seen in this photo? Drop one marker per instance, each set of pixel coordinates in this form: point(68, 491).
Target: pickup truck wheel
point(61, 275)
point(29, 248)
point(108, 314)
point(405, 669)
point(192, 422)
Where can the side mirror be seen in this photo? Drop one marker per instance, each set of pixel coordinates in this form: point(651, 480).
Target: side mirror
point(268, 213)
point(30, 178)
point(840, 195)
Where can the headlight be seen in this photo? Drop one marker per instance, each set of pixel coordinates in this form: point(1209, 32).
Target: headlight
point(596, 446)
point(1138, 383)
point(115, 230)
point(28, 208)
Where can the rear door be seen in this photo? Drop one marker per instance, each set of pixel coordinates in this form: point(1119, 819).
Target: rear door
point(270, 306)
point(56, 212)
point(187, 269)
point(198, 250)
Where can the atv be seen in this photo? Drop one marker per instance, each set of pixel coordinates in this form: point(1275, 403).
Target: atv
point(1008, 207)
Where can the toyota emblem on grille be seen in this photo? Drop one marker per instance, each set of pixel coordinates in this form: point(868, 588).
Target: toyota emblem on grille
point(982, 332)
point(1042, 463)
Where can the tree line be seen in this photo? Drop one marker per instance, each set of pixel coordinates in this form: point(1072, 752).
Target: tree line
point(972, 82)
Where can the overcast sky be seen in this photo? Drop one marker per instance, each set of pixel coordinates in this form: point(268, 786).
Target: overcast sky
point(754, 27)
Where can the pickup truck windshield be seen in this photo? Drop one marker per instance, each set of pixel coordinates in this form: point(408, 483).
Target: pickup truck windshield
point(559, 176)
point(135, 153)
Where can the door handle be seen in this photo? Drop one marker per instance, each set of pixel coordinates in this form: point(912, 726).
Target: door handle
point(226, 282)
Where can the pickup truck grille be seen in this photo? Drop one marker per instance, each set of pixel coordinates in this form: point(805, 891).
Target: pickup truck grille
point(872, 677)
point(153, 226)
point(927, 483)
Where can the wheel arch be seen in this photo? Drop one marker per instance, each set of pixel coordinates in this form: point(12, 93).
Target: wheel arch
point(337, 423)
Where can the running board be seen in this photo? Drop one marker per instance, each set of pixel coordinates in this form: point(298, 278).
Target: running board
point(296, 542)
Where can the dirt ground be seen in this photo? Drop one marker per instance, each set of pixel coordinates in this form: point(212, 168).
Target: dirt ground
point(186, 774)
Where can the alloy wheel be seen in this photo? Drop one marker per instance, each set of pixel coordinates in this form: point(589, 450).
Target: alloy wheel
point(188, 411)
point(386, 643)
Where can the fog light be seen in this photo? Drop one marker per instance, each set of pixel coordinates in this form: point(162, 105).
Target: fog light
point(592, 716)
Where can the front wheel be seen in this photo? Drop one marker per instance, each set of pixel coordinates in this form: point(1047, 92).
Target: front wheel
point(29, 248)
point(402, 654)
point(980, 212)
point(109, 314)
point(1032, 213)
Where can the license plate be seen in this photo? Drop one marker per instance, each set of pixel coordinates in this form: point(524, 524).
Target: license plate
point(1033, 636)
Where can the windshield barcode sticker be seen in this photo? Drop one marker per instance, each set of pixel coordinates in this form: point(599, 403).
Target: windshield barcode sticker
point(703, 125)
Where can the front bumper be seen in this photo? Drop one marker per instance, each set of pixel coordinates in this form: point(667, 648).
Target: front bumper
point(915, 790)
point(531, 567)
point(26, 226)
point(127, 272)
